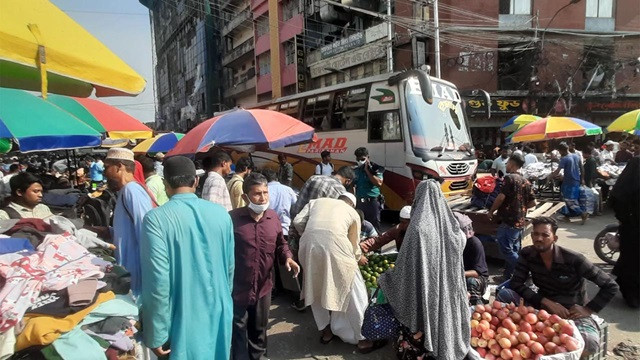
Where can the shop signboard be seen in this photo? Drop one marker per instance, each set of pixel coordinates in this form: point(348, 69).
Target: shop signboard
point(344, 61)
point(499, 106)
point(608, 105)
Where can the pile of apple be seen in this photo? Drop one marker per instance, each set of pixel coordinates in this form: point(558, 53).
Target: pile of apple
point(507, 331)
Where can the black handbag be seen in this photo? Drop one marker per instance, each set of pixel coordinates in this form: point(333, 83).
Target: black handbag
point(379, 322)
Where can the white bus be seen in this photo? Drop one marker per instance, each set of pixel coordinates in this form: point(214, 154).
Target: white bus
point(411, 124)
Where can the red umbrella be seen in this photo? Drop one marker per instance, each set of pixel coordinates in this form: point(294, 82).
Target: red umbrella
point(107, 119)
point(264, 128)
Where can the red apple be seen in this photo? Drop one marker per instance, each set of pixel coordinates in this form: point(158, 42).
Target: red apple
point(560, 350)
point(525, 353)
point(543, 315)
point(548, 332)
point(488, 334)
point(482, 343)
point(531, 318)
point(474, 341)
point(482, 352)
point(571, 344)
point(497, 304)
point(506, 354)
point(525, 326)
point(504, 343)
point(556, 340)
point(536, 348)
point(495, 349)
point(533, 336)
point(490, 357)
point(523, 337)
point(550, 347)
point(480, 308)
point(486, 316)
point(503, 331)
point(516, 317)
point(539, 326)
point(542, 339)
point(554, 318)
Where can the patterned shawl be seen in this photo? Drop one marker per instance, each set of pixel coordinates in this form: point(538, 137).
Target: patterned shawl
point(427, 289)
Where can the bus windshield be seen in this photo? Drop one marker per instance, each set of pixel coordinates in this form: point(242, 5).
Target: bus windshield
point(439, 128)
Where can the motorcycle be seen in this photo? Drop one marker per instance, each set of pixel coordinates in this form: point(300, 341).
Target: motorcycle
point(607, 244)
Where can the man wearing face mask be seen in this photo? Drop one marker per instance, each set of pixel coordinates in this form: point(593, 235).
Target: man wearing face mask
point(258, 242)
point(368, 182)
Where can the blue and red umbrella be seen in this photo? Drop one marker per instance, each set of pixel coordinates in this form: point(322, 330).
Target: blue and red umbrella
point(262, 128)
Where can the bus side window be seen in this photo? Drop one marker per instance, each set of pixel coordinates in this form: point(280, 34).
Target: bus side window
point(355, 109)
point(384, 126)
point(315, 112)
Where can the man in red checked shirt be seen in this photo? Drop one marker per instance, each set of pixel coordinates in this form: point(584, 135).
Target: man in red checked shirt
point(259, 241)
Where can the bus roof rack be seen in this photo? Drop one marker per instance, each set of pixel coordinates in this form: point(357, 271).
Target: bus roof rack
point(423, 78)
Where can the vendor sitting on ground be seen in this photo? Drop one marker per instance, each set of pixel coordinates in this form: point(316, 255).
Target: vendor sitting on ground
point(26, 198)
point(395, 233)
point(560, 275)
point(476, 271)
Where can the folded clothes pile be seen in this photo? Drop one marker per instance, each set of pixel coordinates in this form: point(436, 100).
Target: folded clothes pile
point(539, 170)
point(61, 301)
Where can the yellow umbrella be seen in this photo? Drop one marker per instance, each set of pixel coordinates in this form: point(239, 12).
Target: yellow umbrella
point(629, 122)
point(43, 49)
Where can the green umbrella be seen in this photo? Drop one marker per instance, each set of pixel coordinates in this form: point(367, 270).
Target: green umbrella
point(37, 125)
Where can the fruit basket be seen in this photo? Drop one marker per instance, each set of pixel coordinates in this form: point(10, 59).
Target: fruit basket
point(510, 332)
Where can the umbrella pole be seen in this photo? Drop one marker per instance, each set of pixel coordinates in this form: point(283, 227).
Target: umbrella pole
point(69, 167)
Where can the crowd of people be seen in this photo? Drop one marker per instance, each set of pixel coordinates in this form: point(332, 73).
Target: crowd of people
point(213, 243)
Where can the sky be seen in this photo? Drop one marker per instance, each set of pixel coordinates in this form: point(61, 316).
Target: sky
point(123, 26)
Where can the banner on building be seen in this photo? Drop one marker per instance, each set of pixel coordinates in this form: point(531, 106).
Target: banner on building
point(301, 69)
point(352, 58)
point(340, 46)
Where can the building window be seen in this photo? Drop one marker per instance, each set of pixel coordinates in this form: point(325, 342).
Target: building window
point(289, 53)
point(262, 24)
point(264, 63)
point(290, 8)
point(600, 8)
point(384, 126)
point(515, 7)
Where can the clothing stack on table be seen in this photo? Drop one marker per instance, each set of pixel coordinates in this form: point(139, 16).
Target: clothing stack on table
point(60, 301)
point(610, 172)
point(539, 170)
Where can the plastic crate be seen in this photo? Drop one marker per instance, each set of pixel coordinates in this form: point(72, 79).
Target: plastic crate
point(604, 339)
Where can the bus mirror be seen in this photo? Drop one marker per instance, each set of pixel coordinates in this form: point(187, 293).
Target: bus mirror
point(487, 99)
point(423, 79)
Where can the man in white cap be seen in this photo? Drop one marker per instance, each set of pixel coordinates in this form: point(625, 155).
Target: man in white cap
point(132, 205)
point(608, 155)
point(396, 234)
point(158, 164)
point(329, 253)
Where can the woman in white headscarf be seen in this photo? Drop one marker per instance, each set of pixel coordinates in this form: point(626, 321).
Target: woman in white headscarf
point(426, 289)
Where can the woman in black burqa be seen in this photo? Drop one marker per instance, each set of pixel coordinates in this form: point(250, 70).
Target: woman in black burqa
point(625, 201)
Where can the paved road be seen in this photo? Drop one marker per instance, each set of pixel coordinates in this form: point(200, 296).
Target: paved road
point(293, 335)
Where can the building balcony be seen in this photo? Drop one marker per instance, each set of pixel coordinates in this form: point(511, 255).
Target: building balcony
point(600, 24)
point(239, 19)
point(241, 85)
point(240, 52)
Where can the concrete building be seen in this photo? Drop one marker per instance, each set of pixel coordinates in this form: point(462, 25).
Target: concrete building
point(577, 58)
point(186, 39)
point(238, 55)
point(544, 57)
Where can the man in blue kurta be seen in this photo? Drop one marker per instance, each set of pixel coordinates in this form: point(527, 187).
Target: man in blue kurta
point(187, 271)
point(132, 205)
